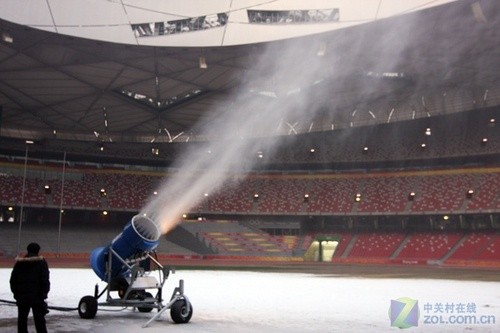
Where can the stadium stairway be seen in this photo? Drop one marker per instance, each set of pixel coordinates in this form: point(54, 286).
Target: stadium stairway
point(181, 237)
point(400, 247)
point(350, 246)
point(299, 251)
point(453, 249)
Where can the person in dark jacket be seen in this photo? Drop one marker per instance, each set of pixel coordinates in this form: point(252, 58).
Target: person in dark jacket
point(30, 285)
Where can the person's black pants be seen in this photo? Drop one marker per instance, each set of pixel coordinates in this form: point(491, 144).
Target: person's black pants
point(39, 311)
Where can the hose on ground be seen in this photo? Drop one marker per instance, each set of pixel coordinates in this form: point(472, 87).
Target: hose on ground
point(50, 307)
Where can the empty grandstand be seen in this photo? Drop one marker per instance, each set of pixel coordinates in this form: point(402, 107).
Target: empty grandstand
point(442, 213)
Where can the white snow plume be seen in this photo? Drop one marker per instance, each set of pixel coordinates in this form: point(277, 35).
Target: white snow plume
point(287, 84)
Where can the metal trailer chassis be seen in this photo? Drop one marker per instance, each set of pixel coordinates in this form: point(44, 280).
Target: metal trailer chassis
point(132, 291)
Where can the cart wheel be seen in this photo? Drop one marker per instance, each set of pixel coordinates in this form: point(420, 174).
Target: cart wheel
point(145, 309)
point(87, 308)
point(180, 313)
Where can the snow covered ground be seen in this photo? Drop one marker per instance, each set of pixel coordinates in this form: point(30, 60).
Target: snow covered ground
point(229, 301)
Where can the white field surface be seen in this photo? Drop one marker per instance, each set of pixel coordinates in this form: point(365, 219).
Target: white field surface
point(236, 301)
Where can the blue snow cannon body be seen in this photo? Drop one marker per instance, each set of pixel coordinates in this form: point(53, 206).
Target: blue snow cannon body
point(140, 235)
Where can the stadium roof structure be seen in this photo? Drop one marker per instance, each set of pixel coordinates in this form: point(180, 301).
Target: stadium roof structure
point(431, 62)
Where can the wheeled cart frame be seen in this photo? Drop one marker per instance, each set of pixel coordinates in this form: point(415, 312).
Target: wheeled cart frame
point(133, 289)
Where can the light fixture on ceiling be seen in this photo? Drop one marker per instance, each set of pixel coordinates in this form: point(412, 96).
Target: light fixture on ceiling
point(478, 13)
point(6, 37)
point(203, 63)
point(321, 50)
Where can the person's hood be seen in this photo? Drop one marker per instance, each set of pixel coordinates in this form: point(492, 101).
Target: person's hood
point(29, 258)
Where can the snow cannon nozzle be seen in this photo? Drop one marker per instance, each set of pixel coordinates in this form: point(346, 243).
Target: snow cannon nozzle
point(140, 235)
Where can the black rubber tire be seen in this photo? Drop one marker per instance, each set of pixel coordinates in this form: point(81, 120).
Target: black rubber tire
point(87, 308)
point(145, 309)
point(179, 313)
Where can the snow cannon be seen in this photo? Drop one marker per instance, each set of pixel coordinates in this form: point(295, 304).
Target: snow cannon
point(128, 266)
point(141, 235)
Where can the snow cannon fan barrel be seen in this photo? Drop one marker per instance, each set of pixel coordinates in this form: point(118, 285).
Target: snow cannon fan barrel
point(140, 235)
